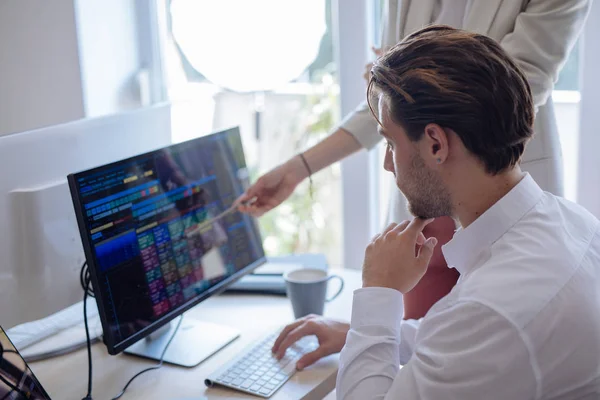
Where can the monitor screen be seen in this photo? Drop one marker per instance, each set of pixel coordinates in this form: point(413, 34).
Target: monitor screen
point(156, 239)
point(17, 382)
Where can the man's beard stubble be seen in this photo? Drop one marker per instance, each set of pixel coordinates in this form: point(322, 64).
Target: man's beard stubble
point(426, 194)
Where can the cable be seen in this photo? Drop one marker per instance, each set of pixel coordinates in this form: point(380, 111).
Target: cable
point(84, 276)
point(87, 291)
point(157, 366)
point(85, 280)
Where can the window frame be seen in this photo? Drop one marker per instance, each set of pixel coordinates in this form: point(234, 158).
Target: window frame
point(355, 27)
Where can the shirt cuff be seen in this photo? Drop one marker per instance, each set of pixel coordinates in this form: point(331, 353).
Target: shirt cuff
point(376, 306)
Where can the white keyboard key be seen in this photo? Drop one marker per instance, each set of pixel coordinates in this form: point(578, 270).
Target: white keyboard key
point(258, 372)
point(255, 388)
point(289, 369)
point(237, 382)
point(247, 383)
point(280, 377)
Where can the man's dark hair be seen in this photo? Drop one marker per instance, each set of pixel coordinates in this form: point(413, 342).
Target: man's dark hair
point(462, 81)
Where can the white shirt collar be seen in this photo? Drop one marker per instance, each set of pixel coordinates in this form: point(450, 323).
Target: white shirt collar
point(467, 244)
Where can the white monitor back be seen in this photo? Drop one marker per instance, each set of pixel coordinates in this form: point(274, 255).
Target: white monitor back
point(40, 246)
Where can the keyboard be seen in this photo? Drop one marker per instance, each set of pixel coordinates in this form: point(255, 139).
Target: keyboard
point(29, 333)
point(257, 371)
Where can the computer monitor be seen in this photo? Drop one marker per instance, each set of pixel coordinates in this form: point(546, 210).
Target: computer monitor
point(154, 247)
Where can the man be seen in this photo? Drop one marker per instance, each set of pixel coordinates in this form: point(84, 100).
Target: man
point(539, 34)
point(523, 322)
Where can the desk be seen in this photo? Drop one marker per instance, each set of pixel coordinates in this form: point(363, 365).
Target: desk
point(65, 378)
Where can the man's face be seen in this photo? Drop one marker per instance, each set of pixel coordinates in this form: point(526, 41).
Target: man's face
point(423, 187)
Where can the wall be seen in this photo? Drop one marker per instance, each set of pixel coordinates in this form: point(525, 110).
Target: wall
point(40, 256)
point(40, 81)
point(108, 54)
point(63, 60)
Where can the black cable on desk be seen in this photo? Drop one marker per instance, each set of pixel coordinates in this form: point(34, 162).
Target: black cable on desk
point(87, 291)
point(157, 366)
point(84, 276)
point(85, 280)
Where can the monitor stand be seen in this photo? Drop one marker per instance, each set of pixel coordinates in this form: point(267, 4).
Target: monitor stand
point(194, 342)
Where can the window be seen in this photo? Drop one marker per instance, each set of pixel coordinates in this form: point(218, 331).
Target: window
point(269, 68)
point(569, 75)
point(566, 98)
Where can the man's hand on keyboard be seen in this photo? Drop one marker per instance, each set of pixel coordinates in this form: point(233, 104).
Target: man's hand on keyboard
point(330, 333)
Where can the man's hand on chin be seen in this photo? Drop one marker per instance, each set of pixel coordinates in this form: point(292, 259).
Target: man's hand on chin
point(391, 260)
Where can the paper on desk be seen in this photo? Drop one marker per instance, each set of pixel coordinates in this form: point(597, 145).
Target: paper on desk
point(69, 337)
point(276, 268)
point(28, 333)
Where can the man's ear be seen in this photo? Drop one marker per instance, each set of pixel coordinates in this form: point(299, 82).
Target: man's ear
point(435, 142)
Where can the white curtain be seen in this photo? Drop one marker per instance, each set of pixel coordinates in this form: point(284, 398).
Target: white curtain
point(588, 193)
point(249, 45)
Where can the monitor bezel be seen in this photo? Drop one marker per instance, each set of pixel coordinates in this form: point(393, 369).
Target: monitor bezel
point(114, 347)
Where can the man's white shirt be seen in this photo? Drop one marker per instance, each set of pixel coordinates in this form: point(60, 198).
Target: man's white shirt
point(523, 321)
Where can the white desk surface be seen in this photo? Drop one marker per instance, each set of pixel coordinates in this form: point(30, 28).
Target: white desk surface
point(65, 378)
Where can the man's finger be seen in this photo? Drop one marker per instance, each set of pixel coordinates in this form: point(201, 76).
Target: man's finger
point(285, 332)
point(401, 226)
point(426, 251)
point(374, 238)
point(389, 228)
point(421, 239)
point(417, 225)
point(311, 358)
point(292, 337)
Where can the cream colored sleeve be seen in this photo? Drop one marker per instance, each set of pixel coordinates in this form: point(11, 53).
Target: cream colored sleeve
point(543, 35)
point(360, 123)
